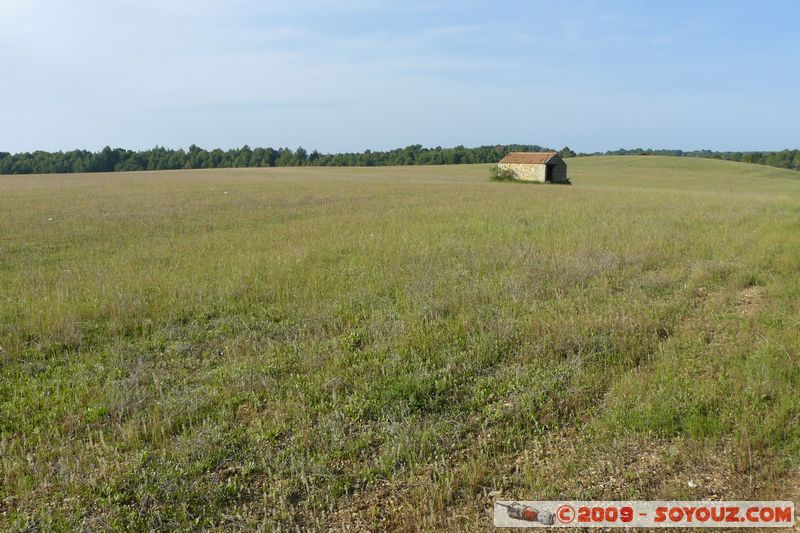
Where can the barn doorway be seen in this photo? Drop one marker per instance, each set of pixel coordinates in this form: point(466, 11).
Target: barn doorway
point(548, 173)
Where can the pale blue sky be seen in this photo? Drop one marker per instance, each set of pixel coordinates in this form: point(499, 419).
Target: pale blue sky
point(349, 75)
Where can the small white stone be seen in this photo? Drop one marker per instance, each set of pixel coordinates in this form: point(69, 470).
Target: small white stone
point(495, 493)
point(49, 219)
point(692, 484)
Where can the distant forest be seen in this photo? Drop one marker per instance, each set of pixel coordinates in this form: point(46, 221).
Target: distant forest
point(784, 159)
point(118, 159)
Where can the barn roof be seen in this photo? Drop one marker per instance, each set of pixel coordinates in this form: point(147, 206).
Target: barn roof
point(528, 158)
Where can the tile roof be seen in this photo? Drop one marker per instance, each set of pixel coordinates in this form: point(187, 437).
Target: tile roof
point(528, 158)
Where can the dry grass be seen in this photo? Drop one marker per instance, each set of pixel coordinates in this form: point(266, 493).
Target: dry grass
point(392, 347)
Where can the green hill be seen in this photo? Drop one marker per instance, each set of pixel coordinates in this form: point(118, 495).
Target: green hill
point(682, 172)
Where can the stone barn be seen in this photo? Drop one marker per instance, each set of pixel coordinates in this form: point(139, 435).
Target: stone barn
point(545, 167)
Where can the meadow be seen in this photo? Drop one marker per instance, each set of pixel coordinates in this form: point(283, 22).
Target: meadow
point(393, 347)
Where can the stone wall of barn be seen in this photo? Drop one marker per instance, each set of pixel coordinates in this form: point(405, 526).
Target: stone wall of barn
point(526, 172)
point(559, 170)
point(531, 172)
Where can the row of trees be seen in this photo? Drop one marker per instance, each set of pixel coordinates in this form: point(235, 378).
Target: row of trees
point(782, 159)
point(117, 159)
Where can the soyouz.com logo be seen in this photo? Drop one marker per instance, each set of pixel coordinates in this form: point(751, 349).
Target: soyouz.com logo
point(644, 514)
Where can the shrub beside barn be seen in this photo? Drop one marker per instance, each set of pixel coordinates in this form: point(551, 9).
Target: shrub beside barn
point(544, 167)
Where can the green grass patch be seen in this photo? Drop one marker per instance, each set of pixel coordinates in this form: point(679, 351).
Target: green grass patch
point(319, 343)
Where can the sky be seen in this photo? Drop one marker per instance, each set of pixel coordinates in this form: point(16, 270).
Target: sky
point(350, 75)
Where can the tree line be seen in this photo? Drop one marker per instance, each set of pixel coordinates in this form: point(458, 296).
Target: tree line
point(118, 159)
point(782, 159)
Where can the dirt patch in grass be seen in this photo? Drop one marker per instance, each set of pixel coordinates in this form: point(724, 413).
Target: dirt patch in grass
point(375, 508)
point(566, 465)
point(750, 300)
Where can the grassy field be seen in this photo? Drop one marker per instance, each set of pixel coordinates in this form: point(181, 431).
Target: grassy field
point(375, 348)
